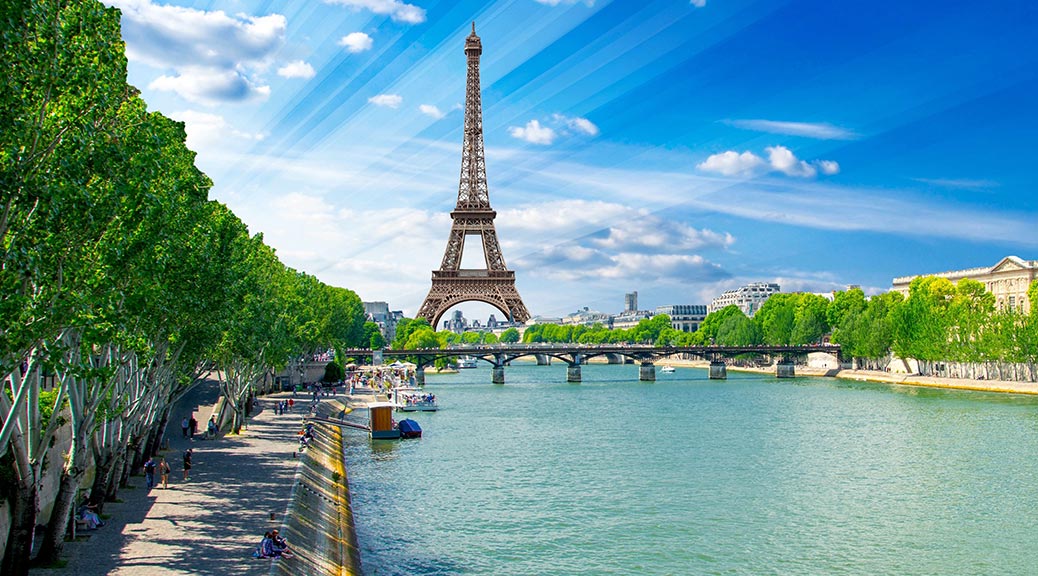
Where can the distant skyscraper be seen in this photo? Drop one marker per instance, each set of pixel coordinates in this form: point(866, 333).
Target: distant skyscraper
point(631, 302)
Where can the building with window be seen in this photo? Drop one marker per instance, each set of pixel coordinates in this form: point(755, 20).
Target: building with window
point(631, 302)
point(1008, 281)
point(684, 317)
point(748, 298)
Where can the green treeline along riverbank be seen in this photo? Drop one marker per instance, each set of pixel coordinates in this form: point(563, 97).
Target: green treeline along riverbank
point(120, 281)
point(938, 324)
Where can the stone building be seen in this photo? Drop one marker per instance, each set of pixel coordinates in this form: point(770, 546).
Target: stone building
point(684, 317)
point(1008, 280)
point(748, 298)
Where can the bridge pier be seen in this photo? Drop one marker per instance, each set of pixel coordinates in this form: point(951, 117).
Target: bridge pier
point(419, 376)
point(647, 372)
point(543, 359)
point(784, 369)
point(718, 370)
point(573, 371)
point(498, 372)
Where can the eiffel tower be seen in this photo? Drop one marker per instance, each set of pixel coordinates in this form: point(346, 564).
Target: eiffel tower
point(473, 216)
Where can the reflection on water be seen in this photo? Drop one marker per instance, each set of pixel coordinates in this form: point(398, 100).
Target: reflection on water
point(686, 475)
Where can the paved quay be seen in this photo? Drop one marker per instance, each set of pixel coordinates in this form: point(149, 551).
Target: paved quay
point(239, 487)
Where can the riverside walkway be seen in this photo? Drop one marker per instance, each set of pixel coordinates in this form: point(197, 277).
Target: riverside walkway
point(240, 487)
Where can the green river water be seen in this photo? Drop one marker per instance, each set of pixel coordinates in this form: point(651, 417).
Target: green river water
point(752, 475)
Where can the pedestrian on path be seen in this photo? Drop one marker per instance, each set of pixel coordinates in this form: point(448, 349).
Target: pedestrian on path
point(187, 464)
point(149, 473)
point(164, 472)
point(193, 426)
point(184, 424)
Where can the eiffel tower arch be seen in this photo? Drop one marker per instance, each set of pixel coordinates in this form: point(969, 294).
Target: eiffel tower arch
point(473, 216)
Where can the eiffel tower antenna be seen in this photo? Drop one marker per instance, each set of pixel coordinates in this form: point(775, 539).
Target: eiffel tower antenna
point(473, 216)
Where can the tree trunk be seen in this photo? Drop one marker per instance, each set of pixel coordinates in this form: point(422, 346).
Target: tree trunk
point(23, 523)
point(54, 536)
point(159, 432)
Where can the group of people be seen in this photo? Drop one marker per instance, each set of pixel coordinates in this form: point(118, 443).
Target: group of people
point(273, 545)
point(164, 469)
point(283, 406)
point(189, 427)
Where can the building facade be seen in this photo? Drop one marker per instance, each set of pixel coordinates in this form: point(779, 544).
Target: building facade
point(684, 317)
point(631, 302)
point(1008, 281)
point(748, 298)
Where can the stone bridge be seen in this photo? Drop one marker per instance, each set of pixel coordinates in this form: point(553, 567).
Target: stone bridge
point(574, 355)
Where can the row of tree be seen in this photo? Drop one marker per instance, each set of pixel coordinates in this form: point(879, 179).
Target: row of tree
point(120, 282)
point(938, 322)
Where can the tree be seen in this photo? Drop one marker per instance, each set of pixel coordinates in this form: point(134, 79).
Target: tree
point(332, 372)
point(510, 336)
point(707, 333)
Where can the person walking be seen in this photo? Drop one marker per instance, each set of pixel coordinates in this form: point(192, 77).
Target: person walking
point(164, 472)
point(149, 473)
point(187, 464)
point(192, 426)
point(184, 426)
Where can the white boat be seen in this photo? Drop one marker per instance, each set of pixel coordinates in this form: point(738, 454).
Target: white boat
point(667, 369)
point(467, 362)
point(414, 400)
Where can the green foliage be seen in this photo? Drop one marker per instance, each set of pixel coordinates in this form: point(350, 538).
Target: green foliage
point(405, 328)
point(332, 372)
point(373, 336)
point(510, 336)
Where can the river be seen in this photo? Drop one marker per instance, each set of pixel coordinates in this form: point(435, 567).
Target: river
point(752, 475)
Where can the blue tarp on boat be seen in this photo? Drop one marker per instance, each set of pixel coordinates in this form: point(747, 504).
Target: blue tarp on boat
point(409, 428)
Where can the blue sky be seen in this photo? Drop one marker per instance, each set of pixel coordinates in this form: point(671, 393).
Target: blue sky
point(671, 147)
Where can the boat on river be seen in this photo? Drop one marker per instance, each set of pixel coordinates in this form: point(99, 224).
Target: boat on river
point(667, 369)
point(413, 400)
point(467, 362)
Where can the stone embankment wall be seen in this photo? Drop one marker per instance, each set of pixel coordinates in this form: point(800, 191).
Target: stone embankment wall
point(319, 523)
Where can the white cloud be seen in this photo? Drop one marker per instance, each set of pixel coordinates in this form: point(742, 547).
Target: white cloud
point(533, 133)
point(356, 42)
point(204, 128)
point(699, 3)
point(820, 131)
point(582, 125)
point(731, 163)
point(210, 86)
point(297, 69)
point(208, 57)
point(780, 159)
point(828, 167)
point(430, 110)
point(386, 100)
point(395, 9)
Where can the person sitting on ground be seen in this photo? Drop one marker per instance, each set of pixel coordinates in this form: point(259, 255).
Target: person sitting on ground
point(280, 544)
point(267, 549)
point(211, 430)
point(88, 513)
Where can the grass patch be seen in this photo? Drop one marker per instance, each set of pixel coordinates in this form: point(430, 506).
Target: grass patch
point(129, 487)
point(118, 500)
point(60, 563)
point(106, 516)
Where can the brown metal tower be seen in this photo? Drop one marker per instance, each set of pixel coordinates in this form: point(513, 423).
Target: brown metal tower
point(473, 216)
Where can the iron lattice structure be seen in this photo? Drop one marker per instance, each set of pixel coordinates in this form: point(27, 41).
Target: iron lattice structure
point(473, 216)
